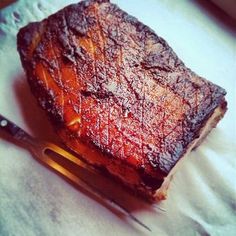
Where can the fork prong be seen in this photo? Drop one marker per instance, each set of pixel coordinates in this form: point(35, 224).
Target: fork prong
point(68, 156)
point(83, 183)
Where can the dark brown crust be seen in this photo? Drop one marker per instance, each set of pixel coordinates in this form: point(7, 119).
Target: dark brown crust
point(118, 63)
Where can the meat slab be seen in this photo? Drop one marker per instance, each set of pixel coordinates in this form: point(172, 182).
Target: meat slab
point(117, 94)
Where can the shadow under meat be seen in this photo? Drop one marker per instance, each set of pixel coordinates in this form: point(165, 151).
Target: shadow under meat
point(33, 115)
point(40, 128)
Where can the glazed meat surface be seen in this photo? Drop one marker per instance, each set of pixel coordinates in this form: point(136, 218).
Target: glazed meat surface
point(110, 84)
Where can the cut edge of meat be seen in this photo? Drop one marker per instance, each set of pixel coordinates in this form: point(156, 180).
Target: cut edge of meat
point(217, 115)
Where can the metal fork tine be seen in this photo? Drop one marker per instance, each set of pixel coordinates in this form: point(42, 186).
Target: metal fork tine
point(80, 181)
point(68, 156)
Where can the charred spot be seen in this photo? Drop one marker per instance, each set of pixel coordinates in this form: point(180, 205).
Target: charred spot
point(166, 161)
point(74, 15)
point(80, 53)
point(152, 182)
point(153, 159)
point(157, 61)
point(68, 55)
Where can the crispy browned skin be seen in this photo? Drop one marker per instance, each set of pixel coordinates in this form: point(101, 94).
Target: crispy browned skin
point(109, 82)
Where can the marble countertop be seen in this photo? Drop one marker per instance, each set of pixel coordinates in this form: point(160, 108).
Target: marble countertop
point(202, 196)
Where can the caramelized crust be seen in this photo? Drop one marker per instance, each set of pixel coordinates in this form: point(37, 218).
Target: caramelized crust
point(115, 91)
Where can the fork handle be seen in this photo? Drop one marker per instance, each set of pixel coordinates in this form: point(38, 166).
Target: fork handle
point(12, 129)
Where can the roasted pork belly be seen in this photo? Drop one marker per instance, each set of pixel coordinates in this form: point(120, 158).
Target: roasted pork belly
point(117, 94)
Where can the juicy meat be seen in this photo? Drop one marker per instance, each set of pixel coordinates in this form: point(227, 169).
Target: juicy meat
point(115, 91)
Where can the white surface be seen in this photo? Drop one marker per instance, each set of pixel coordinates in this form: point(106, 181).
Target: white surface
point(202, 196)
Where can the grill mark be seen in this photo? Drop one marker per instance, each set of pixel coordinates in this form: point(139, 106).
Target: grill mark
point(119, 63)
point(142, 114)
point(93, 64)
point(58, 70)
point(132, 90)
point(164, 115)
point(127, 80)
point(131, 140)
point(45, 79)
point(102, 39)
point(160, 83)
point(138, 119)
point(94, 75)
point(75, 69)
point(165, 136)
point(166, 118)
point(101, 34)
point(123, 144)
point(137, 144)
point(196, 102)
point(67, 34)
point(146, 126)
point(108, 123)
point(162, 127)
point(133, 40)
point(182, 122)
point(95, 71)
point(80, 97)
